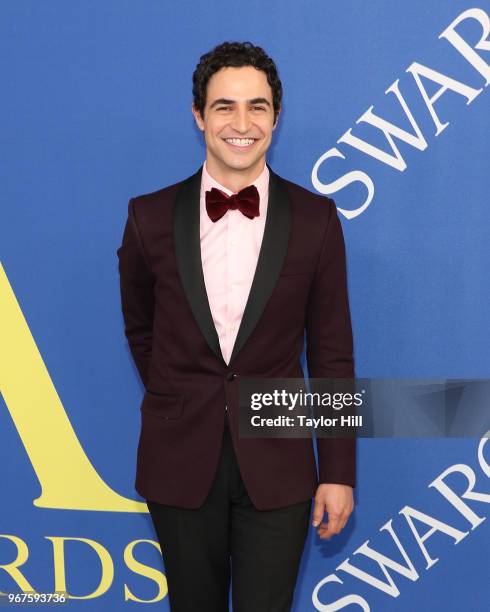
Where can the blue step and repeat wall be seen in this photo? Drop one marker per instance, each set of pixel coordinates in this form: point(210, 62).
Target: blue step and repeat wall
point(386, 110)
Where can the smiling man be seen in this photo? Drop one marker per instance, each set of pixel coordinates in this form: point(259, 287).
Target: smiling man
point(221, 274)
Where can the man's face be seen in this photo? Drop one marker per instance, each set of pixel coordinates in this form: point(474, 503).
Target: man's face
point(238, 119)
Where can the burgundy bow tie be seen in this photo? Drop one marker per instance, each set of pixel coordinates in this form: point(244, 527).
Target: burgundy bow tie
point(246, 200)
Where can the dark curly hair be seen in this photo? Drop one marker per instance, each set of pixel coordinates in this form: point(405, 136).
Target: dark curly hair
point(236, 55)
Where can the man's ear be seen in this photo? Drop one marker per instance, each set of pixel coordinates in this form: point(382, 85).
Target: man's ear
point(198, 118)
point(277, 119)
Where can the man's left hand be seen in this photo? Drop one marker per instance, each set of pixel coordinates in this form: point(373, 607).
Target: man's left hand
point(338, 501)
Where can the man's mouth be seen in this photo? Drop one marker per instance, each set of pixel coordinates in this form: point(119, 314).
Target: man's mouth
point(240, 142)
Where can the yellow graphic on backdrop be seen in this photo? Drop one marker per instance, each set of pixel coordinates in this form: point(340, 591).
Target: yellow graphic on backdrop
point(68, 479)
point(106, 565)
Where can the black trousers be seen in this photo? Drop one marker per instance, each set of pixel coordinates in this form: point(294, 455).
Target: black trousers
point(228, 541)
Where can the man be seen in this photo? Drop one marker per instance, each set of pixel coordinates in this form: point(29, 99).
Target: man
point(216, 286)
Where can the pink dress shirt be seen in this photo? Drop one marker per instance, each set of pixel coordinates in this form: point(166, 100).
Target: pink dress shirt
point(229, 251)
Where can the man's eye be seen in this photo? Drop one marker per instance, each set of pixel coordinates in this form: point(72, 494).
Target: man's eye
point(223, 108)
point(260, 108)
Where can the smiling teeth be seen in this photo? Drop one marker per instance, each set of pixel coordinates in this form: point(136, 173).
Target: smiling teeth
point(240, 142)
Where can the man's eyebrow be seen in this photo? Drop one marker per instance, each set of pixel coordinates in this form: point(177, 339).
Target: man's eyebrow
point(226, 101)
point(221, 101)
point(259, 101)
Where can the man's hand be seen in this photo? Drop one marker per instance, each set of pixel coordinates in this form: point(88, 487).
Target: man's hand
point(338, 501)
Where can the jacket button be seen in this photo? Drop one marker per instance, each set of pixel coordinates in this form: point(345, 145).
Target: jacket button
point(231, 376)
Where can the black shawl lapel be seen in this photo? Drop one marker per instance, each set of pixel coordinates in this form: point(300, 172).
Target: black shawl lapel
point(188, 253)
point(271, 258)
point(272, 254)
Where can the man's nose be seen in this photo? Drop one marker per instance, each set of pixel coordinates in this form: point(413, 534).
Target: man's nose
point(241, 120)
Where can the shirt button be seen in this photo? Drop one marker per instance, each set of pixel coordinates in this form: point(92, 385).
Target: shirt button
point(231, 376)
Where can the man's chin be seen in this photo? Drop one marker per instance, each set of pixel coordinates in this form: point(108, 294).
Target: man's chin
point(240, 165)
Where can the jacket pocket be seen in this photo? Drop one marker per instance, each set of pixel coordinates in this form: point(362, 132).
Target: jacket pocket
point(163, 405)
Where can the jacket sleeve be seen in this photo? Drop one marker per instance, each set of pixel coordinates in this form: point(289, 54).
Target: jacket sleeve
point(329, 345)
point(137, 295)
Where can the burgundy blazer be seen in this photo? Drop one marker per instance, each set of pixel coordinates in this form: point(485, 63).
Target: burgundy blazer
point(299, 284)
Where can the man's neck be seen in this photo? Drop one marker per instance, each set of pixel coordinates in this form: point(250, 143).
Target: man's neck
point(234, 180)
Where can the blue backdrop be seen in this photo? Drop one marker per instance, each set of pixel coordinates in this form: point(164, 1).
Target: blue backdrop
point(95, 108)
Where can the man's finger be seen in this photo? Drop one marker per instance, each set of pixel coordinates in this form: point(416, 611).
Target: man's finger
point(332, 527)
point(344, 522)
point(326, 533)
point(318, 513)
